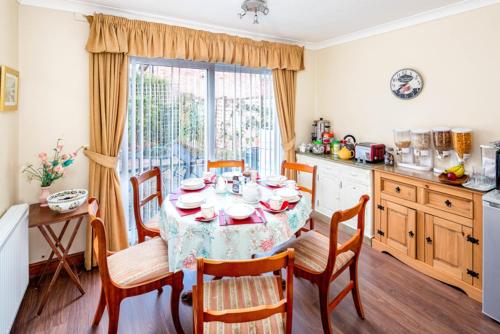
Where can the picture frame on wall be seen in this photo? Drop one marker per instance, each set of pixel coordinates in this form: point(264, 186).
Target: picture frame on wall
point(9, 89)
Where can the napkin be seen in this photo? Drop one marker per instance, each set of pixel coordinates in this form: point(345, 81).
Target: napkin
point(267, 206)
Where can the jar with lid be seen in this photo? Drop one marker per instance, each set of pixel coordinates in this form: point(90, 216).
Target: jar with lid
point(336, 148)
point(421, 139)
point(442, 139)
point(389, 157)
point(327, 145)
point(402, 139)
point(462, 142)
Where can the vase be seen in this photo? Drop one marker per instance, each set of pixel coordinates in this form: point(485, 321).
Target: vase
point(44, 193)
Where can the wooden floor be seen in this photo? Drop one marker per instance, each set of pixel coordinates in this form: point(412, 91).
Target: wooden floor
point(396, 298)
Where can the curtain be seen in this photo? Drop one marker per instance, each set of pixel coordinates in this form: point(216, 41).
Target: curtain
point(114, 34)
point(108, 106)
point(284, 91)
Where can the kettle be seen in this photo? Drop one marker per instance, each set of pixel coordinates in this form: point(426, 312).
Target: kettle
point(345, 153)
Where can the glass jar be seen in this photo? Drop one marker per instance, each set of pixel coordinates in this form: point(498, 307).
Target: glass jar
point(402, 138)
point(442, 139)
point(462, 142)
point(421, 139)
point(336, 148)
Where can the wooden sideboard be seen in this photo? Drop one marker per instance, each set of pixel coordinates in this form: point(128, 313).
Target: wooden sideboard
point(432, 227)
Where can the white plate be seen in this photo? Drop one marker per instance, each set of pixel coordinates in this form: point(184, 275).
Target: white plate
point(275, 180)
point(230, 175)
point(198, 187)
point(293, 200)
point(287, 193)
point(184, 206)
point(240, 211)
point(192, 199)
point(193, 184)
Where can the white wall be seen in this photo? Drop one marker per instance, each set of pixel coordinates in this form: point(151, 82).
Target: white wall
point(54, 95)
point(306, 98)
point(9, 168)
point(458, 57)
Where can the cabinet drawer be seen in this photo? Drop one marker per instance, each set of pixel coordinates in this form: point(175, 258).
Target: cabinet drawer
point(399, 189)
point(459, 206)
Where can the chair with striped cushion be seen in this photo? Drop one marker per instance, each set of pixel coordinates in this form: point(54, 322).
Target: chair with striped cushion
point(133, 271)
point(321, 260)
point(245, 302)
point(151, 228)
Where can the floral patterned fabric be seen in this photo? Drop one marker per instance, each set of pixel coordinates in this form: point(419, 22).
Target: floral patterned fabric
point(188, 239)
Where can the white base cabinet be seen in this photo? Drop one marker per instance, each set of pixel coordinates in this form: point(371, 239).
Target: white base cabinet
point(338, 187)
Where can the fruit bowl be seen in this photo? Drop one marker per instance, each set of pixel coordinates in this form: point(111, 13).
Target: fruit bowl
point(443, 178)
point(67, 200)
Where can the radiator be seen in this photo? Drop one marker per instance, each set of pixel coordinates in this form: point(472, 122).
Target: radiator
point(14, 263)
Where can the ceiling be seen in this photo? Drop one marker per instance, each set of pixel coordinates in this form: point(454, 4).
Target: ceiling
point(301, 21)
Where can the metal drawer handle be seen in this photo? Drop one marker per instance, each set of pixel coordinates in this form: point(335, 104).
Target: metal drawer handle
point(448, 203)
point(429, 240)
point(398, 190)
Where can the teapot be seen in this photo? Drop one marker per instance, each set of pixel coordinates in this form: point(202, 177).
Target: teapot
point(346, 154)
point(220, 185)
point(251, 192)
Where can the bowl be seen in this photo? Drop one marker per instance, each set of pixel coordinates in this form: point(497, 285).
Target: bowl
point(287, 193)
point(275, 180)
point(67, 200)
point(240, 211)
point(192, 184)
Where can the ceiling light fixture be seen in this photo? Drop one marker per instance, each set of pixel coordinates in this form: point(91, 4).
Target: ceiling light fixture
point(255, 7)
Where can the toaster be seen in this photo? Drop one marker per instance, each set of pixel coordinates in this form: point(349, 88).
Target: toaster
point(369, 152)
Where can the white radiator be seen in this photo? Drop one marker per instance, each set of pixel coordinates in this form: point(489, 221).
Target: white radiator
point(14, 263)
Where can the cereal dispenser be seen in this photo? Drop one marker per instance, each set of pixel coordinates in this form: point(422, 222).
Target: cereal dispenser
point(443, 147)
point(462, 143)
point(422, 149)
point(402, 141)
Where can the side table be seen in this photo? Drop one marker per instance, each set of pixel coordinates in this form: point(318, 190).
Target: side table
point(42, 218)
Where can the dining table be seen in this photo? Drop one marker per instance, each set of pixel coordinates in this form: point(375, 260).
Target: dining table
point(189, 238)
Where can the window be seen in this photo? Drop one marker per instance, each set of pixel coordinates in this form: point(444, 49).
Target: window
point(183, 113)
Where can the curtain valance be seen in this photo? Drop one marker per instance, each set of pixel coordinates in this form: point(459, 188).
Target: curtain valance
point(114, 34)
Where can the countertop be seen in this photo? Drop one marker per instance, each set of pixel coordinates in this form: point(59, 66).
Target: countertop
point(352, 162)
point(422, 175)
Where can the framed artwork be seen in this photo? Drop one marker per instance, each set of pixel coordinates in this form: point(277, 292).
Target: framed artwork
point(9, 88)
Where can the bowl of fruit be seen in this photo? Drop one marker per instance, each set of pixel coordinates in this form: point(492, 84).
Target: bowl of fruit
point(455, 175)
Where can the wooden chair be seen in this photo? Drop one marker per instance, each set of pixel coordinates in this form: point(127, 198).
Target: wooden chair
point(133, 271)
point(151, 228)
point(321, 260)
point(226, 164)
point(216, 300)
point(298, 167)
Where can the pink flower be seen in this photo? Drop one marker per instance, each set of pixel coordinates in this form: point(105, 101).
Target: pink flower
point(42, 156)
point(59, 169)
point(267, 245)
point(74, 154)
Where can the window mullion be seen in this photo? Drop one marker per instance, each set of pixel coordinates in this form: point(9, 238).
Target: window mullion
point(210, 124)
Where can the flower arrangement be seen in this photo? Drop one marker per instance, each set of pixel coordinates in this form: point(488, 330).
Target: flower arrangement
point(51, 169)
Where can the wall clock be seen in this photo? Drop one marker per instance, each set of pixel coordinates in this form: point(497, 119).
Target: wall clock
point(406, 84)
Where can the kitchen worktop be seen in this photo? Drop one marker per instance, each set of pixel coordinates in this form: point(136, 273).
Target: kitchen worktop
point(423, 175)
point(352, 162)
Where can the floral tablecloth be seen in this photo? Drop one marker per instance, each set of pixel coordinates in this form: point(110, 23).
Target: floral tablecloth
point(188, 239)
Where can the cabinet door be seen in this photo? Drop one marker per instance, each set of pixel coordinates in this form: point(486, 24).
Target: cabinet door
point(398, 228)
point(350, 193)
point(447, 248)
point(327, 193)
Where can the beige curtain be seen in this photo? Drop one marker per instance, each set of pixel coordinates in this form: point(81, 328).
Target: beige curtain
point(284, 93)
point(114, 34)
point(108, 103)
point(111, 40)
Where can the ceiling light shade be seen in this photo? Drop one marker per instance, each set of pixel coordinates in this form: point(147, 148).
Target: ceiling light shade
point(255, 7)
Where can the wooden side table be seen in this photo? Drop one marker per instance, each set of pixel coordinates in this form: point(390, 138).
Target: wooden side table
point(42, 218)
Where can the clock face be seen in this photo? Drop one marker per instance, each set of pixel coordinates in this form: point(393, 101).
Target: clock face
point(406, 84)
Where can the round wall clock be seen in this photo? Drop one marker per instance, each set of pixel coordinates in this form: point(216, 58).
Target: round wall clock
point(406, 84)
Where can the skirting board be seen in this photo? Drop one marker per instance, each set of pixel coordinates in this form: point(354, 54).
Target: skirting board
point(36, 268)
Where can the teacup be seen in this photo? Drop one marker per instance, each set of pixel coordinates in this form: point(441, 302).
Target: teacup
point(292, 184)
point(207, 210)
point(275, 202)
